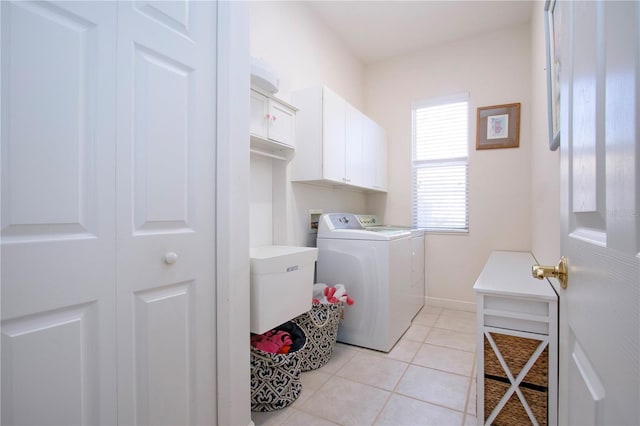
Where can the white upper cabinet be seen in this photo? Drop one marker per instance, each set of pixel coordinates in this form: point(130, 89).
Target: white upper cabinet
point(322, 130)
point(354, 165)
point(336, 143)
point(375, 150)
point(272, 125)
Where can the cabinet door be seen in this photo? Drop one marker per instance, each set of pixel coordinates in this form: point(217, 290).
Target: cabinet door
point(354, 172)
point(369, 152)
point(333, 131)
point(374, 155)
point(259, 124)
point(281, 124)
point(380, 156)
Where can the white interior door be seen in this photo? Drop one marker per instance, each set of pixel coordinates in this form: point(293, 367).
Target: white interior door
point(166, 188)
point(600, 309)
point(58, 213)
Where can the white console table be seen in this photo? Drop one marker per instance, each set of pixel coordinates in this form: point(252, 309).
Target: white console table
point(517, 337)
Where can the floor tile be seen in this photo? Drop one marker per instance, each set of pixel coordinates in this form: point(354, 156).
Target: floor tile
point(446, 359)
point(404, 350)
point(416, 332)
point(475, 366)
point(298, 418)
point(401, 410)
point(311, 381)
point(457, 323)
point(373, 370)
point(460, 314)
point(426, 309)
point(426, 318)
point(271, 418)
point(345, 402)
point(452, 339)
point(340, 356)
point(438, 387)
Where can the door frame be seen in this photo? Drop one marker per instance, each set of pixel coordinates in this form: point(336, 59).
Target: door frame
point(232, 214)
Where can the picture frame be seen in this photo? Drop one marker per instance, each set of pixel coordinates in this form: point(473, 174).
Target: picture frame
point(552, 25)
point(498, 126)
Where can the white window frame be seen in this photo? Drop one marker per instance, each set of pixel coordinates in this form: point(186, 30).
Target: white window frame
point(451, 161)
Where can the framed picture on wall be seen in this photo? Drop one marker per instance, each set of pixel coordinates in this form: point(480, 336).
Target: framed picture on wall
point(552, 32)
point(498, 126)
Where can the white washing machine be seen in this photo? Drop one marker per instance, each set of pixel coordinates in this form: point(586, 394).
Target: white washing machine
point(417, 289)
point(375, 267)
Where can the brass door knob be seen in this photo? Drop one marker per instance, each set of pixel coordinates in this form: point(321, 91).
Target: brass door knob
point(560, 271)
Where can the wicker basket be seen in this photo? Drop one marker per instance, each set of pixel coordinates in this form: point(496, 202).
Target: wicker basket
point(275, 378)
point(320, 325)
point(516, 351)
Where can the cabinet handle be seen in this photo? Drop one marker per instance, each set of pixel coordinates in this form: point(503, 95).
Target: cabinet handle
point(170, 258)
point(268, 116)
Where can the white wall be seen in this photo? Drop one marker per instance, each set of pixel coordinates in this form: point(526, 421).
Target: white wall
point(495, 69)
point(545, 164)
point(304, 53)
point(261, 210)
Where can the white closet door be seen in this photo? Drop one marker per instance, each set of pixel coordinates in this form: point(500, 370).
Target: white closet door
point(58, 197)
point(166, 187)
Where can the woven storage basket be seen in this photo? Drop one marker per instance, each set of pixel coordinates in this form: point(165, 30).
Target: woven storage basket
point(516, 351)
point(320, 325)
point(275, 378)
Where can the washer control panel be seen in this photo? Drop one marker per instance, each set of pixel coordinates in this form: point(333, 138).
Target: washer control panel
point(367, 220)
point(344, 221)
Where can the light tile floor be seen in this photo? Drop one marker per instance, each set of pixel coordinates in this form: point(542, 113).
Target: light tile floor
point(428, 378)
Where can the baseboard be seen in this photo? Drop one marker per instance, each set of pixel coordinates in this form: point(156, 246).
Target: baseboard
point(450, 304)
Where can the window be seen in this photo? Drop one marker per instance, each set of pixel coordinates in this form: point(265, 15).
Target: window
point(440, 165)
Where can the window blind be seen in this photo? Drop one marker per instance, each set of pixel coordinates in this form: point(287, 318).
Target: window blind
point(440, 165)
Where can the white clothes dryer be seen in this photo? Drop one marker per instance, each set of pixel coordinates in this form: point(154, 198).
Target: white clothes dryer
point(418, 275)
point(375, 267)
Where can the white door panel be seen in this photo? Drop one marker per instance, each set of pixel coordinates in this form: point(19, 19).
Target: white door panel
point(80, 262)
point(52, 361)
point(58, 214)
point(163, 319)
point(599, 327)
point(165, 185)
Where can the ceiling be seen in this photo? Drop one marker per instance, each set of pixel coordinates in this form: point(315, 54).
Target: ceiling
point(378, 30)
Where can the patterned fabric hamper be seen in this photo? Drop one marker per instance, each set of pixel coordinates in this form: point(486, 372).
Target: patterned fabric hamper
point(320, 324)
point(275, 378)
